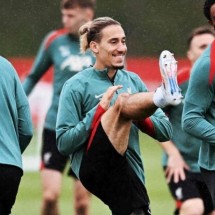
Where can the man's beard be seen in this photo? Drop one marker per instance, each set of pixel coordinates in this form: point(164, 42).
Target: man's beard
point(118, 67)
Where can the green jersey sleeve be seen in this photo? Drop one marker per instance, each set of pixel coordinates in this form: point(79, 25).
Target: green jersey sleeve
point(41, 65)
point(197, 112)
point(25, 129)
point(72, 129)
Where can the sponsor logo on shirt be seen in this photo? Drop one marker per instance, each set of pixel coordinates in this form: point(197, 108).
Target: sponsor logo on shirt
point(64, 50)
point(99, 96)
point(76, 63)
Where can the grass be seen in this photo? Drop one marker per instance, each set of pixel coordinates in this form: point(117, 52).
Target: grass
point(29, 196)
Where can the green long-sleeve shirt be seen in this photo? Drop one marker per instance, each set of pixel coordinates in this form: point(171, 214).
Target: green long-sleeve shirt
point(62, 51)
point(78, 104)
point(187, 144)
point(15, 119)
point(199, 108)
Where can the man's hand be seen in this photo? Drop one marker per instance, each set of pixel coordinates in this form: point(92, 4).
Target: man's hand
point(108, 95)
point(175, 167)
point(176, 164)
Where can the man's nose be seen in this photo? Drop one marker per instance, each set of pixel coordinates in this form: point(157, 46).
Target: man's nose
point(121, 47)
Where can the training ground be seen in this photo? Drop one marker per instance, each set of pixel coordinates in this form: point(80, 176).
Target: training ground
point(29, 195)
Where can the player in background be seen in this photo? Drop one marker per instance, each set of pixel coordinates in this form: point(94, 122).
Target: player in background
point(198, 118)
point(60, 49)
point(15, 134)
point(181, 164)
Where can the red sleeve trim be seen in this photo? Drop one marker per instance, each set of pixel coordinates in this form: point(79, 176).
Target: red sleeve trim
point(42, 166)
point(183, 75)
point(212, 60)
point(96, 120)
point(54, 36)
point(147, 126)
point(178, 204)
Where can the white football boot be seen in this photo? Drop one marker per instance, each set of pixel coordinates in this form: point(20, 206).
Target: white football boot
point(169, 92)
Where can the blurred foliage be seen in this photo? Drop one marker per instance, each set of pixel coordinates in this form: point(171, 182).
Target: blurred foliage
point(150, 25)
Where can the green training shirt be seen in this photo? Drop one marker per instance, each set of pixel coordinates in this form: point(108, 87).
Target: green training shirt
point(15, 119)
point(198, 117)
point(187, 144)
point(78, 105)
point(61, 50)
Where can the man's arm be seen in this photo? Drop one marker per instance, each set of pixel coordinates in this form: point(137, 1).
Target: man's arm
point(156, 126)
point(176, 164)
point(72, 130)
point(194, 123)
point(40, 66)
point(25, 129)
point(199, 97)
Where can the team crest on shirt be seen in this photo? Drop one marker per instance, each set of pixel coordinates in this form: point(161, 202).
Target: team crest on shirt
point(129, 90)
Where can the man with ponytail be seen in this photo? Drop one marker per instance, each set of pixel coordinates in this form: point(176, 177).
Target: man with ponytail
point(60, 49)
point(100, 112)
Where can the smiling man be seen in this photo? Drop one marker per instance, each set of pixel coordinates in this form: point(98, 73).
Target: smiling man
point(100, 133)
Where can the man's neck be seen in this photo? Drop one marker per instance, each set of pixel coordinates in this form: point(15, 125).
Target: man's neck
point(111, 73)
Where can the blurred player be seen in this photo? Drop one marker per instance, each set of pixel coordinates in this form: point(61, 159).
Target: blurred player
point(181, 166)
point(198, 118)
point(60, 49)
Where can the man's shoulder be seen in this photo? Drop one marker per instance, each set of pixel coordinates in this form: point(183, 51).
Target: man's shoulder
point(203, 63)
point(81, 77)
point(202, 71)
point(3, 60)
point(6, 66)
point(133, 77)
point(53, 35)
point(183, 75)
point(130, 74)
point(8, 73)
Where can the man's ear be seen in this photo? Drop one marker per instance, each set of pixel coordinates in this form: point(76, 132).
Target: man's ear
point(94, 47)
point(89, 14)
point(210, 22)
point(189, 55)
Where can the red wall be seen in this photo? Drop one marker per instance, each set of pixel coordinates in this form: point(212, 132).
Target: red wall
point(146, 68)
point(23, 66)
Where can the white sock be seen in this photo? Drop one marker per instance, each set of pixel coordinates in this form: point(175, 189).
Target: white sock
point(159, 99)
point(162, 99)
